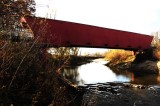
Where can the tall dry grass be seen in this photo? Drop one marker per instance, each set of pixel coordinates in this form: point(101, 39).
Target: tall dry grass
point(117, 56)
point(156, 45)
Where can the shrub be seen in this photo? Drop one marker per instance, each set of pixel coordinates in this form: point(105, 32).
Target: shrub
point(28, 77)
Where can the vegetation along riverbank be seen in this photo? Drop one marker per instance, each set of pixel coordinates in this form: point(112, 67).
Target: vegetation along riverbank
point(29, 75)
point(140, 62)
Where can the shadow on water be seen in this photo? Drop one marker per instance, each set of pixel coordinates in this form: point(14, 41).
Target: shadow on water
point(97, 72)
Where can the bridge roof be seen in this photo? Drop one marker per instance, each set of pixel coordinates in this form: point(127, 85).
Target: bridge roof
point(64, 34)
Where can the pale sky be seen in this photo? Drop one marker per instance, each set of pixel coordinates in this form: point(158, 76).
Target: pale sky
point(141, 16)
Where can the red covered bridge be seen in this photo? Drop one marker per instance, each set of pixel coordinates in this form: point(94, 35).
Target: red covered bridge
point(69, 34)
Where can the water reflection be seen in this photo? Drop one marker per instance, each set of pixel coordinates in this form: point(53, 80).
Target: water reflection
point(94, 72)
point(97, 72)
point(71, 73)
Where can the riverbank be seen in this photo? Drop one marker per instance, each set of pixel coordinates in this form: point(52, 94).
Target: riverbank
point(123, 94)
point(79, 60)
point(118, 93)
point(146, 67)
point(140, 63)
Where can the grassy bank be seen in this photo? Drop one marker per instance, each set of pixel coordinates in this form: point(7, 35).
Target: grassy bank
point(140, 63)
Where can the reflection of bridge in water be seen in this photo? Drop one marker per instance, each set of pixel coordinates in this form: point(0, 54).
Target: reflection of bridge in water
point(68, 34)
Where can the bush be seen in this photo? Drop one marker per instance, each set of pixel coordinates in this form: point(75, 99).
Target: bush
point(28, 77)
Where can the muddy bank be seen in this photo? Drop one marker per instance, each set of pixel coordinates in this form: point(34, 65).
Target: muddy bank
point(79, 60)
point(144, 64)
point(147, 67)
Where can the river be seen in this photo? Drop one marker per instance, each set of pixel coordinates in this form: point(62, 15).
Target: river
point(97, 72)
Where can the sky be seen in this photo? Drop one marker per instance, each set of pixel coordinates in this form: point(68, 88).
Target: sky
point(140, 16)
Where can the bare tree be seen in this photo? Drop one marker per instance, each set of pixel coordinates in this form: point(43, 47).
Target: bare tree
point(12, 10)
